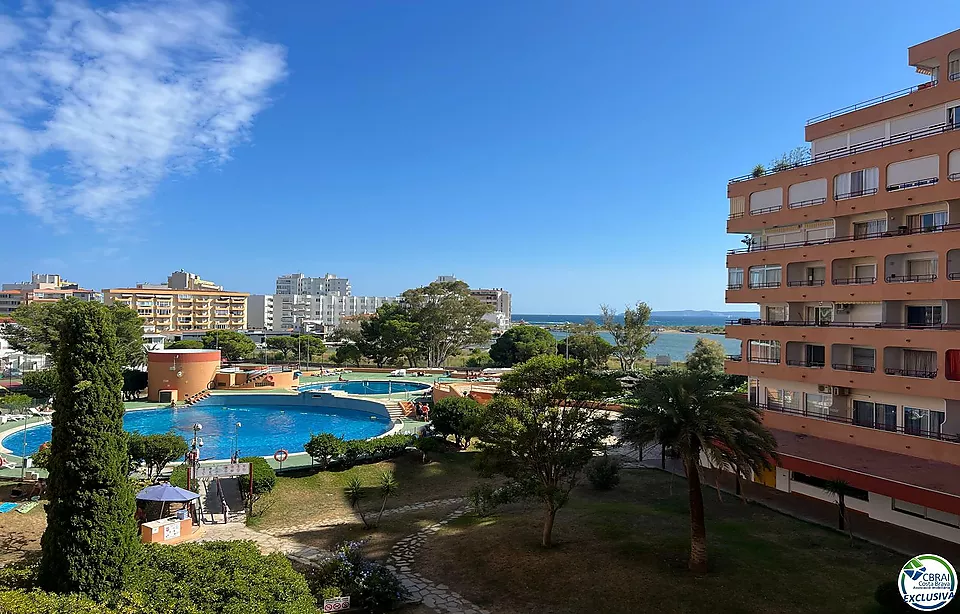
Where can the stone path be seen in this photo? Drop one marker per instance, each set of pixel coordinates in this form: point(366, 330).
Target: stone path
point(435, 596)
point(266, 543)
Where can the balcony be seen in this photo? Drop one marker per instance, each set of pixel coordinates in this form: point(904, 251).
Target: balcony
point(805, 282)
point(764, 284)
point(855, 194)
point(913, 184)
point(902, 231)
point(953, 438)
point(903, 279)
point(854, 368)
point(811, 364)
point(807, 203)
point(910, 373)
point(872, 102)
point(834, 324)
point(763, 360)
point(854, 281)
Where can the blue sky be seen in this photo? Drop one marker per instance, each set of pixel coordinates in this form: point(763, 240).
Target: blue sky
point(575, 153)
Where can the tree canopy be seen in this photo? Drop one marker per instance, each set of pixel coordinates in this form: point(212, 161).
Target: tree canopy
point(632, 335)
point(185, 344)
point(589, 349)
point(348, 353)
point(156, 451)
point(693, 413)
point(232, 344)
point(448, 318)
point(707, 357)
point(542, 429)
point(457, 416)
point(39, 384)
point(90, 542)
point(520, 344)
point(388, 337)
point(287, 345)
point(34, 329)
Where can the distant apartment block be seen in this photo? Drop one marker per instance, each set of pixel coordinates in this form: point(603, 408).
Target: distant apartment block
point(853, 257)
point(170, 310)
point(260, 312)
point(42, 288)
point(183, 280)
point(497, 298)
point(298, 283)
point(316, 304)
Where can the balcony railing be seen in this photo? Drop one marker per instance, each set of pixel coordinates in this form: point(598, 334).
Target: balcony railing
point(901, 279)
point(734, 286)
point(953, 438)
point(855, 149)
point(854, 281)
point(871, 102)
point(910, 373)
point(763, 360)
point(807, 203)
point(764, 210)
point(813, 364)
point(954, 176)
point(855, 194)
point(736, 215)
point(765, 284)
point(913, 184)
point(899, 232)
point(839, 366)
point(812, 323)
point(805, 282)
point(953, 276)
point(734, 357)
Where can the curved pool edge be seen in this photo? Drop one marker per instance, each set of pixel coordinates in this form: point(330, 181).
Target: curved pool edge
point(6, 432)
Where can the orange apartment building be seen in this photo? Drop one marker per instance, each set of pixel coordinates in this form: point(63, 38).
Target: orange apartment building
point(167, 310)
point(853, 257)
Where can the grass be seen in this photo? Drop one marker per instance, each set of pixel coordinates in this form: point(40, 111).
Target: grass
point(316, 497)
point(20, 533)
point(626, 551)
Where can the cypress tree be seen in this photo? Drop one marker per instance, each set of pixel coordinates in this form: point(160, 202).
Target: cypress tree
point(90, 542)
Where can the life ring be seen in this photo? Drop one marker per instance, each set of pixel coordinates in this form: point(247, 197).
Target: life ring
point(280, 455)
point(270, 378)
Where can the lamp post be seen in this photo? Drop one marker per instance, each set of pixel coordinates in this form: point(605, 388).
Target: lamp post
point(236, 442)
point(195, 451)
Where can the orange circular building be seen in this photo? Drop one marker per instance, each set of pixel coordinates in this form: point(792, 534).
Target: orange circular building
point(186, 371)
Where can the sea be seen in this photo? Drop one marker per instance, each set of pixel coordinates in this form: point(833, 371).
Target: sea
point(673, 344)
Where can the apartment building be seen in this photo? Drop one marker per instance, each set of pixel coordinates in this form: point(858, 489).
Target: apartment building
point(184, 280)
point(298, 283)
point(260, 312)
point(168, 310)
point(42, 288)
point(853, 257)
point(317, 313)
point(499, 300)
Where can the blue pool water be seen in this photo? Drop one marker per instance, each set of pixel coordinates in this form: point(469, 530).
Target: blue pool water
point(368, 386)
point(265, 429)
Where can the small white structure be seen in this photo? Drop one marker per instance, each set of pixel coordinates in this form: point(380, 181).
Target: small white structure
point(398, 373)
point(662, 360)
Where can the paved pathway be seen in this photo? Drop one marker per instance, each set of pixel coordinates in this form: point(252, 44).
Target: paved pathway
point(435, 596)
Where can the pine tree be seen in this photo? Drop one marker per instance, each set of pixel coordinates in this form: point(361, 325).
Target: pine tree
point(90, 542)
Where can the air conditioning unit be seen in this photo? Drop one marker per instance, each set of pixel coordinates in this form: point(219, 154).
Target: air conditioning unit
point(826, 389)
point(841, 391)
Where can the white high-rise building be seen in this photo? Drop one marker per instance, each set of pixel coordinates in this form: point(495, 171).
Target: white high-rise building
point(298, 283)
point(260, 311)
point(498, 298)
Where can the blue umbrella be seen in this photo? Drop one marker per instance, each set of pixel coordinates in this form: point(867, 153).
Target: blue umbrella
point(166, 493)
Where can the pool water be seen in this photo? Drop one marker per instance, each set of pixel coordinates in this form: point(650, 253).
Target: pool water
point(264, 430)
point(368, 386)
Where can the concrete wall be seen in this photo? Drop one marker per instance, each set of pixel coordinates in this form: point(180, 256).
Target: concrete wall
point(309, 399)
point(186, 372)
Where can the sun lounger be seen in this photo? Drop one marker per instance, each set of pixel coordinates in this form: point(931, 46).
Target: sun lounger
point(26, 507)
point(7, 507)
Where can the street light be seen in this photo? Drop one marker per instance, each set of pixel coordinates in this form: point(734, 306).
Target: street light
point(236, 442)
point(196, 444)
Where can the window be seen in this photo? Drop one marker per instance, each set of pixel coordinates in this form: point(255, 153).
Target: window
point(765, 276)
point(871, 228)
point(927, 222)
point(953, 364)
point(875, 415)
point(763, 351)
point(923, 422)
point(865, 272)
point(820, 315)
point(922, 268)
point(818, 405)
point(786, 399)
point(814, 355)
point(734, 279)
point(918, 363)
point(776, 313)
point(857, 183)
point(924, 315)
point(926, 513)
point(863, 357)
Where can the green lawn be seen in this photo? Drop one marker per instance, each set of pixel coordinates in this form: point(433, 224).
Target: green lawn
point(314, 497)
point(626, 551)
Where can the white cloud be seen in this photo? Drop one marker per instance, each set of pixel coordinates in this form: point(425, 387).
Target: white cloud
point(99, 105)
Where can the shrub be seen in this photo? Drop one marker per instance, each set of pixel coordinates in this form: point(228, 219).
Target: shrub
point(264, 477)
point(39, 602)
point(457, 416)
point(15, 402)
point(324, 447)
point(603, 473)
point(40, 384)
point(179, 476)
point(481, 499)
point(18, 576)
point(369, 451)
point(371, 586)
point(220, 578)
point(41, 458)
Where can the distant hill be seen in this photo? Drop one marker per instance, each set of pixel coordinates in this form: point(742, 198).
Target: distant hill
point(691, 313)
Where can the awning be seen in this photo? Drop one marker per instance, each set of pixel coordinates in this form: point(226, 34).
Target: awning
point(166, 493)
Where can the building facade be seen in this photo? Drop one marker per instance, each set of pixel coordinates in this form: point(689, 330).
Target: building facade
point(317, 313)
point(853, 257)
point(260, 311)
point(42, 288)
point(165, 310)
point(184, 280)
point(298, 283)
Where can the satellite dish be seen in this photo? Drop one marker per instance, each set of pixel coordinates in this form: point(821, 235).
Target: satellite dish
point(179, 373)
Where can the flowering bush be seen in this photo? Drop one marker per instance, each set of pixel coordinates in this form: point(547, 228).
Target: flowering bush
point(369, 584)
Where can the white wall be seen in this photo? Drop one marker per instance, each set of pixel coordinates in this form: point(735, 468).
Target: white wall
point(881, 508)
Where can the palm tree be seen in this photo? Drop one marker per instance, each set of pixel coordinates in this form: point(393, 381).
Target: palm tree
point(693, 413)
point(840, 489)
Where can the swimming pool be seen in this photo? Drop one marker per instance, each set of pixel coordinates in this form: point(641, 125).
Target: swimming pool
point(361, 386)
point(269, 423)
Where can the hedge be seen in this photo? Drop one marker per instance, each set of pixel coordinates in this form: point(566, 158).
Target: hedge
point(264, 477)
point(357, 451)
